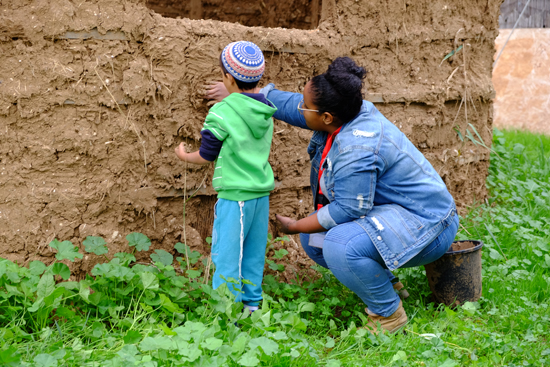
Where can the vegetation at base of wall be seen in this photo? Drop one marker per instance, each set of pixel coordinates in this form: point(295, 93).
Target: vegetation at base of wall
point(166, 313)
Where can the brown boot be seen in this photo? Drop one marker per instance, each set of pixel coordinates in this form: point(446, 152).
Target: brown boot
point(392, 323)
point(401, 291)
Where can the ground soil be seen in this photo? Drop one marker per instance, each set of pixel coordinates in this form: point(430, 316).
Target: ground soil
point(462, 245)
point(95, 96)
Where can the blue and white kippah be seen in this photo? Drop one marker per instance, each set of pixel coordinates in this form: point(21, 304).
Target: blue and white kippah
point(244, 61)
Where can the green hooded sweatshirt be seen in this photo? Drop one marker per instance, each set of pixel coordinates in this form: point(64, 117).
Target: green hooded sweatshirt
point(245, 126)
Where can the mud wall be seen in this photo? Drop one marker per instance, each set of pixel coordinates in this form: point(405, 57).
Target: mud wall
point(301, 14)
point(95, 95)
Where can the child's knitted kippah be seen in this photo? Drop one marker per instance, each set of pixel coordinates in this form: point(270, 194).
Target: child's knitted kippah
point(244, 61)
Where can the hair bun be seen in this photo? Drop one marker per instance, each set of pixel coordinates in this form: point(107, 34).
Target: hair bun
point(345, 75)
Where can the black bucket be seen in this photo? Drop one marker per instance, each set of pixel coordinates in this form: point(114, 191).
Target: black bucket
point(456, 277)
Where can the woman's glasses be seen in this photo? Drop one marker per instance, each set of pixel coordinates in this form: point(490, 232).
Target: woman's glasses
point(301, 109)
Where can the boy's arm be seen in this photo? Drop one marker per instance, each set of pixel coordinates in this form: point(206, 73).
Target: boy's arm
point(213, 135)
point(193, 157)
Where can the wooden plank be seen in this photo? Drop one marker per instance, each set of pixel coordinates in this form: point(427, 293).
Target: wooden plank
point(286, 49)
point(94, 33)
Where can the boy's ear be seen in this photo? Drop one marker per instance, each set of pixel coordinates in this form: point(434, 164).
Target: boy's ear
point(231, 79)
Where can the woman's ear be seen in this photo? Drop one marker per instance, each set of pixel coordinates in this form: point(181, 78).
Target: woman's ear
point(327, 118)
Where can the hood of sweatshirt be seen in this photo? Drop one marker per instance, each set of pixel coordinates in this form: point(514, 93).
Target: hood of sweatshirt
point(256, 115)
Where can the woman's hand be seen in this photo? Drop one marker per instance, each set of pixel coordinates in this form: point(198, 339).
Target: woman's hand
point(286, 224)
point(305, 225)
point(216, 91)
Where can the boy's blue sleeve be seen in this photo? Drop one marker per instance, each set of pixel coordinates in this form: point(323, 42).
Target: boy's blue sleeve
point(287, 105)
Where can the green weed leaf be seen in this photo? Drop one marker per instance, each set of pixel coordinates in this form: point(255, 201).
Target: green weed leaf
point(65, 250)
point(279, 254)
point(193, 256)
point(36, 267)
point(268, 346)
point(192, 274)
point(280, 335)
point(148, 344)
point(125, 258)
point(399, 356)
point(449, 363)
point(162, 257)
point(139, 240)
point(45, 360)
point(52, 298)
point(46, 285)
point(62, 270)
point(495, 255)
point(428, 354)
point(469, 308)
point(452, 53)
point(249, 359)
point(10, 357)
point(84, 290)
point(149, 281)
point(239, 344)
point(212, 343)
point(306, 307)
point(96, 245)
point(128, 353)
point(132, 337)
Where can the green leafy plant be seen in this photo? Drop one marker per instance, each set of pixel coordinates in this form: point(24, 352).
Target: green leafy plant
point(165, 313)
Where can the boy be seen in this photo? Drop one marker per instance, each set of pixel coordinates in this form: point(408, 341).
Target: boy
point(237, 135)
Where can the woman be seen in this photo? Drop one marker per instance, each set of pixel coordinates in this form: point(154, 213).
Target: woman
point(379, 203)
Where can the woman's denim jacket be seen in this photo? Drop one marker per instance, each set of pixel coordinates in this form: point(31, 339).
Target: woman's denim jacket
point(376, 177)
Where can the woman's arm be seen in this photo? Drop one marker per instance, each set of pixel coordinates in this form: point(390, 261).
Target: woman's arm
point(306, 225)
point(355, 178)
point(287, 105)
point(286, 102)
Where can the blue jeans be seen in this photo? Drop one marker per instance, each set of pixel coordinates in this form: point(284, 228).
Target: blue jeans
point(239, 239)
point(351, 256)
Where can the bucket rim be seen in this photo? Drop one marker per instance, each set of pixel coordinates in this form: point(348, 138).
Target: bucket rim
point(450, 252)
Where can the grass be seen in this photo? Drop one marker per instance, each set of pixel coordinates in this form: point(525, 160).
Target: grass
point(127, 314)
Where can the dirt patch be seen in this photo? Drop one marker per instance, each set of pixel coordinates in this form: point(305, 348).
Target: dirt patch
point(96, 95)
point(462, 245)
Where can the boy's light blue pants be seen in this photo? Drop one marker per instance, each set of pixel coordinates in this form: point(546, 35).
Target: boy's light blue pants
point(239, 240)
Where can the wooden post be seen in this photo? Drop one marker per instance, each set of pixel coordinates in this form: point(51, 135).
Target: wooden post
point(328, 9)
point(196, 9)
point(314, 13)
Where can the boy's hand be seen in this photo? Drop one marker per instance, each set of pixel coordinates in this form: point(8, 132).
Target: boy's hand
point(216, 91)
point(193, 157)
point(180, 152)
